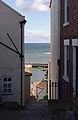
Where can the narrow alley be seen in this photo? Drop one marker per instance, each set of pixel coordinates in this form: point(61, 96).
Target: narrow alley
point(35, 110)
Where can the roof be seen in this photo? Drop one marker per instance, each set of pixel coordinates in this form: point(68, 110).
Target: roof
point(50, 3)
point(27, 71)
point(35, 83)
point(40, 85)
point(10, 8)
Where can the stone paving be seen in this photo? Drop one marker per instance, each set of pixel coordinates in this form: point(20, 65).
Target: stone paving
point(35, 110)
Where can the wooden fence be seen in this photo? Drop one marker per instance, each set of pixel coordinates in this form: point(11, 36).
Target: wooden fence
point(60, 90)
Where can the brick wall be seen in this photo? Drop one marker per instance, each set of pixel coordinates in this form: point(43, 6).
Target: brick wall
point(68, 32)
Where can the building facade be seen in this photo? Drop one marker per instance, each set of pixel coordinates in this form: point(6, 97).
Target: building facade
point(41, 90)
point(64, 48)
point(11, 55)
point(69, 43)
point(54, 43)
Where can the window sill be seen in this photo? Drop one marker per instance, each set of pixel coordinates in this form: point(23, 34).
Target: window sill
point(66, 78)
point(65, 24)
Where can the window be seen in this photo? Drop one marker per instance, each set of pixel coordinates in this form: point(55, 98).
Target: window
point(7, 85)
point(66, 12)
point(66, 60)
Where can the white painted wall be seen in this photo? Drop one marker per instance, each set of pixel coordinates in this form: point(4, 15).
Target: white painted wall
point(49, 78)
point(10, 61)
point(55, 39)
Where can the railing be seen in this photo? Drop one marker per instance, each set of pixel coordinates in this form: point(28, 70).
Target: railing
point(60, 90)
point(40, 92)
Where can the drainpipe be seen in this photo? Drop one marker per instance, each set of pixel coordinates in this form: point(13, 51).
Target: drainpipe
point(21, 25)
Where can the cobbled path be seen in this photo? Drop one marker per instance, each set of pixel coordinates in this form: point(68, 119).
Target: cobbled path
point(35, 110)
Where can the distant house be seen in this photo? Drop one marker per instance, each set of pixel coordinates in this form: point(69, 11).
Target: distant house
point(12, 73)
point(64, 49)
point(33, 88)
point(41, 89)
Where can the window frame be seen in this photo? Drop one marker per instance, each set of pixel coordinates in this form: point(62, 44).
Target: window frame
point(66, 13)
point(66, 59)
point(7, 83)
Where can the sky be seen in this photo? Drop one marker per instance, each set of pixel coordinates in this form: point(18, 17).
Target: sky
point(36, 12)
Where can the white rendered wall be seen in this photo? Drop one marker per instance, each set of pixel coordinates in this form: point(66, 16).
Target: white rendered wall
point(10, 63)
point(55, 40)
point(49, 78)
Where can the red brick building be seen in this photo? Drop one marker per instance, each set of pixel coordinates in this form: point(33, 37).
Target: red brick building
point(69, 44)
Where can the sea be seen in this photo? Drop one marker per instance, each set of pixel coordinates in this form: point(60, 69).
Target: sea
point(37, 53)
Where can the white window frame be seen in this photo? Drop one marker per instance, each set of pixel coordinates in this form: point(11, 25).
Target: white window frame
point(66, 22)
point(75, 42)
point(7, 83)
point(66, 44)
point(74, 45)
point(74, 71)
